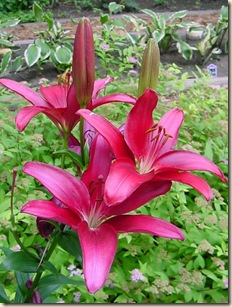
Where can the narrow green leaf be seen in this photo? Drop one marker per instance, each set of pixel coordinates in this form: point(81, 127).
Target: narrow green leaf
point(50, 283)
point(208, 150)
point(3, 298)
point(37, 11)
point(210, 275)
point(32, 54)
point(69, 241)
point(71, 154)
point(19, 261)
point(5, 61)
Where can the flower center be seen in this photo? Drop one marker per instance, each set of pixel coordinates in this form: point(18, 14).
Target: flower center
point(96, 214)
point(157, 137)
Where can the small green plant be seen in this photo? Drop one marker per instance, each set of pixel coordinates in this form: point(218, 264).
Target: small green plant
point(53, 45)
point(7, 48)
point(215, 38)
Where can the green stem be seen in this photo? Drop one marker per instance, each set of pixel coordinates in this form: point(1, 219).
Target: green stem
point(65, 146)
point(12, 218)
point(81, 130)
point(40, 273)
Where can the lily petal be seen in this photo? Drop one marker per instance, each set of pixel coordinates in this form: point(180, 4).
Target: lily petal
point(100, 84)
point(49, 210)
point(146, 192)
point(56, 95)
point(113, 98)
point(25, 115)
point(69, 190)
point(194, 181)
point(172, 122)
point(139, 121)
point(100, 161)
point(109, 132)
point(99, 248)
point(186, 161)
point(24, 91)
point(123, 180)
point(145, 224)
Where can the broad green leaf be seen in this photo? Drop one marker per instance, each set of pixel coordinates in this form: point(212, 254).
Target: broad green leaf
point(185, 49)
point(9, 23)
point(6, 43)
point(158, 35)
point(49, 21)
point(32, 54)
point(21, 290)
point(5, 61)
point(115, 7)
point(199, 262)
point(179, 14)
point(104, 18)
point(19, 261)
point(50, 283)
point(210, 275)
point(37, 11)
point(7, 251)
point(3, 298)
point(45, 50)
point(71, 154)
point(63, 55)
point(70, 243)
point(17, 64)
point(208, 150)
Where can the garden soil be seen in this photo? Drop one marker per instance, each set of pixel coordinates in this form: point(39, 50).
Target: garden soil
point(204, 12)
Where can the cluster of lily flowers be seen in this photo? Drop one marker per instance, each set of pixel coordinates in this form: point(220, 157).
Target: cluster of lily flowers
point(118, 169)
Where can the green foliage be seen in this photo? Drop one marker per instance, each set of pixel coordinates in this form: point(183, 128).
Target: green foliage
point(192, 271)
point(215, 39)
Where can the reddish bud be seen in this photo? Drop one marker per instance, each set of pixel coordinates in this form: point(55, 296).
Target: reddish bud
point(83, 66)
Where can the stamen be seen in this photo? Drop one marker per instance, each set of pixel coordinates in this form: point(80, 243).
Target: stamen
point(153, 128)
point(167, 136)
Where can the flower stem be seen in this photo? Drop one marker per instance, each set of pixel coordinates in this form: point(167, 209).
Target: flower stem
point(12, 218)
point(81, 130)
point(65, 146)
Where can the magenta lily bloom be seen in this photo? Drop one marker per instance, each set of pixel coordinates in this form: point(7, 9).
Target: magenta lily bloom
point(59, 102)
point(85, 211)
point(146, 153)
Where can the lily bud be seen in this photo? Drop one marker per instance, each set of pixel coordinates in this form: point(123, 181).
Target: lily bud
point(83, 66)
point(149, 72)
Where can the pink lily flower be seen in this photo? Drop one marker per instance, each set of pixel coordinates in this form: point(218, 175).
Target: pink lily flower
point(59, 102)
point(146, 153)
point(85, 211)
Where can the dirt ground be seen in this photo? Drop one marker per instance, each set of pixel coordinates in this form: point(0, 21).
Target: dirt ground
point(209, 13)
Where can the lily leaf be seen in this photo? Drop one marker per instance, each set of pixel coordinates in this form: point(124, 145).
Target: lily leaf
point(19, 261)
point(70, 243)
point(3, 297)
point(74, 156)
point(50, 283)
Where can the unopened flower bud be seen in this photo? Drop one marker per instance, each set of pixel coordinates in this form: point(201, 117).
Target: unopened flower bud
point(36, 297)
point(83, 66)
point(149, 72)
point(45, 228)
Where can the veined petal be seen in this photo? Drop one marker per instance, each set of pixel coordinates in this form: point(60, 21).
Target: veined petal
point(123, 180)
point(145, 224)
point(172, 122)
point(100, 84)
point(187, 178)
point(25, 115)
point(139, 121)
point(186, 161)
point(69, 190)
point(109, 132)
point(99, 248)
point(146, 192)
point(56, 95)
point(112, 98)
point(49, 210)
point(24, 91)
point(100, 161)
